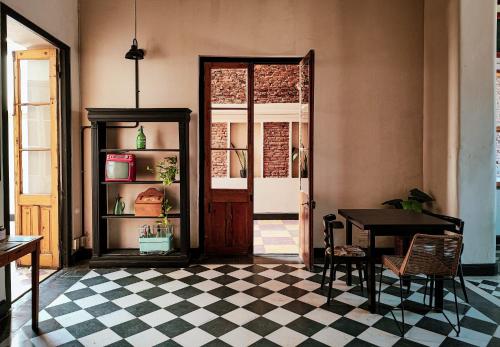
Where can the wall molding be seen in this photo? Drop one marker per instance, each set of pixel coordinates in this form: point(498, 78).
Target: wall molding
point(480, 269)
point(275, 216)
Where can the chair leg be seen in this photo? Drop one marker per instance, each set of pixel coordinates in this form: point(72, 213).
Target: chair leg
point(456, 307)
point(462, 282)
point(332, 266)
point(360, 273)
point(380, 286)
point(325, 267)
point(425, 287)
point(431, 292)
point(402, 307)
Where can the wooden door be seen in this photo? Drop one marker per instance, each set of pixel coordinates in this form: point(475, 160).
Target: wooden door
point(228, 215)
point(306, 200)
point(36, 150)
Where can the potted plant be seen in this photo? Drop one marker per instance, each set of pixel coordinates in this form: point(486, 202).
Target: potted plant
point(168, 170)
point(415, 201)
point(242, 158)
point(303, 165)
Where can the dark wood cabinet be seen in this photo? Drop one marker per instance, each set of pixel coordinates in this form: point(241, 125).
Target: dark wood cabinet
point(102, 119)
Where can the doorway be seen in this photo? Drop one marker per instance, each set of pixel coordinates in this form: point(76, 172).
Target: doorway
point(252, 148)
point(36, 146)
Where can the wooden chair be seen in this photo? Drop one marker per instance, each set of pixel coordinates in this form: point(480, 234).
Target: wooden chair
point(429, 255)
point(459, 229)
point(335, 255)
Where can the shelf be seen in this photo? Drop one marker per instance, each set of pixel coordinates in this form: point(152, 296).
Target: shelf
point(133, 216)
point(107, 150)
point(137, 182)
point(133, 258)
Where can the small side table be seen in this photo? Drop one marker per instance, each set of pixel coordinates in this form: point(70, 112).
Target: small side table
point(15, 247)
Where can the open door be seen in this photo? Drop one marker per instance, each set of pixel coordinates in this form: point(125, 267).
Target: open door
point(307, 203)
point(36, 150)
point(228, 215)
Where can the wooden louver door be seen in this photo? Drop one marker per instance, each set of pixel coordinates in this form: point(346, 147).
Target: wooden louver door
point(228, 215)
point(307, 203)
point(35, 150)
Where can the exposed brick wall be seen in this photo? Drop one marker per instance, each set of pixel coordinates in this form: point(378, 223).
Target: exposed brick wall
point(273, 84)
point(219, 158)
point(276, 149)
point(276, 84)
point(229, 86)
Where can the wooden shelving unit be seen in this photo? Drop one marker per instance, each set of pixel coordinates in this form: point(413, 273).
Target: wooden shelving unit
point(107, 257)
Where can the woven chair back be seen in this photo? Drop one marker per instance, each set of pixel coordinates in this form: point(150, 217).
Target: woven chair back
point(436, 255)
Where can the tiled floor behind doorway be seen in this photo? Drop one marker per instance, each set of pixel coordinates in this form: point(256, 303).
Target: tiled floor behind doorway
point(276, 237)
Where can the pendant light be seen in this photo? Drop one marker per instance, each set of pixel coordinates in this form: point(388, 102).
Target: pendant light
point(135, 54)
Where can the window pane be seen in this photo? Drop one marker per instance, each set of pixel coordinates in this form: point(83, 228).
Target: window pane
point(36, 172)
point(35, 127)
point(229, 169)
point(35, 86)
point(229, 87)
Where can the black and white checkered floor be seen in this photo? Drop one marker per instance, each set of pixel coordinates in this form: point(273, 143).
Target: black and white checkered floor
point(241, 305)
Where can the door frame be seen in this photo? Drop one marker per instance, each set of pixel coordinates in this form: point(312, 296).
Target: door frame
point(201, 123)
point(65, 160)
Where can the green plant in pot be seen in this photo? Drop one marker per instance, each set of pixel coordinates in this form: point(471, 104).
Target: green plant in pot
point(415, 201)
point(242, 158)
point(164, 223)
point(304, 166)
point(167, 170)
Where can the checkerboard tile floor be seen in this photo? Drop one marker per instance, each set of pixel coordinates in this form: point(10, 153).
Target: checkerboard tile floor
point(276, 237)
point(241, 305)
point(488, 285)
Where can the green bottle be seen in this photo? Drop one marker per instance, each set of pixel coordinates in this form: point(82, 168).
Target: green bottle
point(140, 141)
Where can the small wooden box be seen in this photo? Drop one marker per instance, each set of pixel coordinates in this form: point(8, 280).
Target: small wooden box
point(149, 203)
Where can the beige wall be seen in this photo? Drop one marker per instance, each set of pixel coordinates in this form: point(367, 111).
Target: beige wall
point(368, 88)
point(441, 132)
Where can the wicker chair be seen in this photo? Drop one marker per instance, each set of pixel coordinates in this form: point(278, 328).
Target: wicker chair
point(335, 255)
point(459, 229)
point(429, 255)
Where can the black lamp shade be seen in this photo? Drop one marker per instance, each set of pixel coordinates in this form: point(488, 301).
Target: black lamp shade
point(134, 53)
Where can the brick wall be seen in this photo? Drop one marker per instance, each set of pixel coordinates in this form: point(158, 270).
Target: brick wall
point(219, 158)
point(273, 84)
point(229, 86)
point(276, 84)
point(276, 149)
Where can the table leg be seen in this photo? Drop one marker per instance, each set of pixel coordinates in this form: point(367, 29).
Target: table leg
point(370, 282)
point(35, 292)
point(348, 239)
point(438, 293)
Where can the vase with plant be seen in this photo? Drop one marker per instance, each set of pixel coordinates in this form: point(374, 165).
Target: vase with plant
point(415, 201)
point(242, 158)
point(165, 227)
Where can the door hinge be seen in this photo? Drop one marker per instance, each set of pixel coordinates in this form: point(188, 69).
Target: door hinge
point(313, 204)
point(251, 197)
point(209, 207)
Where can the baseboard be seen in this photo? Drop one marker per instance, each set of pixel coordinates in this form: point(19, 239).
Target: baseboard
point(275, 216)
point(4, 309)
point(80, 255)
point(480, 269)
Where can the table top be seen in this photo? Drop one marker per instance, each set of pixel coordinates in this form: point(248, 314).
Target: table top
point(12, 242)
point(393, 218)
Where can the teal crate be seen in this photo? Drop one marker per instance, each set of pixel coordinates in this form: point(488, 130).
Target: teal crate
point(156, 245)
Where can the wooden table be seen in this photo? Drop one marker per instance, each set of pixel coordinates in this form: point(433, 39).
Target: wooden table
point(15, 247)
point(390, 222)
